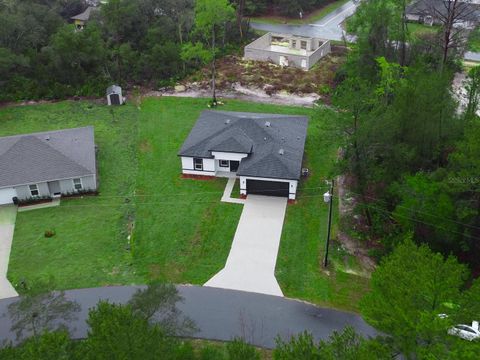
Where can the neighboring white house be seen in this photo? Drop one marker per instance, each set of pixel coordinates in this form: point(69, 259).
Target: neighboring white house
point(288, 50)
point(265, 151)
point(47, 164)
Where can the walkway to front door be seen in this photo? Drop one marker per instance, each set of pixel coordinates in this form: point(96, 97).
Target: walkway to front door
point(251, 263)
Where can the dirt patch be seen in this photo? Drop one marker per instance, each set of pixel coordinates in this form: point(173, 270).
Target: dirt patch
point(96, 100)
point(145, 146)
point(154, 271)
point(352, 246)
point(266, 79)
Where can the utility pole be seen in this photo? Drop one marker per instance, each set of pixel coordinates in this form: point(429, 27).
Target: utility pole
point(328, 198)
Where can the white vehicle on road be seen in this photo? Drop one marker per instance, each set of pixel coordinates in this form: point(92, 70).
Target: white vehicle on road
point(467, 332)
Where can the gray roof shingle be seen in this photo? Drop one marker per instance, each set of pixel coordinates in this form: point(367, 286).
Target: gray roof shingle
point(47, 156)
point(248, 133)
point(85, 16)
point(464, 10)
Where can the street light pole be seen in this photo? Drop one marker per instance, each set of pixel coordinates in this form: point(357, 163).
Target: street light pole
point(328, 197)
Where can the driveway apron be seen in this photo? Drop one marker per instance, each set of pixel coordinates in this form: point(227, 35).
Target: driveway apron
point(251, 263)
point(7, 226)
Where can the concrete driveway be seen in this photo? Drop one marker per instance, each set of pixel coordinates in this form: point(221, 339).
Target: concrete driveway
point(251, 263)
point(8, 214)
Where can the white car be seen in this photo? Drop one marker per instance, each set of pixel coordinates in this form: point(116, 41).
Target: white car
point(466, 332)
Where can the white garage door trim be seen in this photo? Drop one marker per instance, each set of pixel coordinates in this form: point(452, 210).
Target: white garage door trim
point(6, 195)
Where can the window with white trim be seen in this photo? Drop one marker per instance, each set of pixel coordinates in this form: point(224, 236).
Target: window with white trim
point(303, 45)
point(198, 164)
point(224, 163)
point(34, 190)
point(77, 184)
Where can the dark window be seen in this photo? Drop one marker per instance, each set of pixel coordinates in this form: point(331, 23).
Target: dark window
point(224, 163)
point(34, 190)
point(294, 44)
point(77, 184)
point(303, 45)
point(198, 164)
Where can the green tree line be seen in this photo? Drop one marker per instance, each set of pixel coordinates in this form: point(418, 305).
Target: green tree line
point(410, 147)
point(126, 42)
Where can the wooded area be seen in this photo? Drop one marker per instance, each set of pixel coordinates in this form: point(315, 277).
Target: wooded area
point(125, 42)
point(410, 147)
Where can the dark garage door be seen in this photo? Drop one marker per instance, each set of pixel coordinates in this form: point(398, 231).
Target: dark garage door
point(271, 188)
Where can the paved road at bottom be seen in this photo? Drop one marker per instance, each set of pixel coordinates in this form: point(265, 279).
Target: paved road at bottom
point(222, 314)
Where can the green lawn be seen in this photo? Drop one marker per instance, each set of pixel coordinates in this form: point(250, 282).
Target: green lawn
point(416, 30)
point(181, 230)
point(474, 40)
point(309, 19)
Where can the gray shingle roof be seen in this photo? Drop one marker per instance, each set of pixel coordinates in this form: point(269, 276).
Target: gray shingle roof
point(248, 133)
point(465, 10)
point(47, 156)
point(85, 16)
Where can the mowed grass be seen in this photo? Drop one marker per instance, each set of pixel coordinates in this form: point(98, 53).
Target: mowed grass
point(181, 232)
point(89, 246)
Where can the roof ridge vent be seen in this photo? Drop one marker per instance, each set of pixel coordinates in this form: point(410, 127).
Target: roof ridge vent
point(268, 124)
point(281, 151)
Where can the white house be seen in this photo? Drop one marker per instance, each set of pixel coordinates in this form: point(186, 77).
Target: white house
point(265, 151)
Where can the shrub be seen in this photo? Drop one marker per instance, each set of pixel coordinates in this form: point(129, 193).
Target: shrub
point(49, 233)
point(239, 350)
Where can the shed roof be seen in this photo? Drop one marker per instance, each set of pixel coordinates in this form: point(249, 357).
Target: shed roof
point(114, 89)
point(47, 156)
point(275, 143)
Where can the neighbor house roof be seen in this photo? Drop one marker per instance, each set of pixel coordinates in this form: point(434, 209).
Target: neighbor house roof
point(465, 10)
point(84, 16)
point(47, 156)
point(275, 143)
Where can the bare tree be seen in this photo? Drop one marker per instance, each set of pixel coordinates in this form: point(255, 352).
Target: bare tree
point(240, 9)
point(453, 16)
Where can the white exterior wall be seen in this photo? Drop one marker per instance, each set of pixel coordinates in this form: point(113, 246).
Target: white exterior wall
point(23, 191)
point(228, 156)
point(292, 187)
point(88, 183)
point(188, 168)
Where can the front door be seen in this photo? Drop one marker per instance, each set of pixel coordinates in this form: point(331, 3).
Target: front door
point(234, 166)
point(115, 99)
point(54, 188)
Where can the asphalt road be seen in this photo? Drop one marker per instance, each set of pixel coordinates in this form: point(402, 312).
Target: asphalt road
point(329, 27)
point(222, 314)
